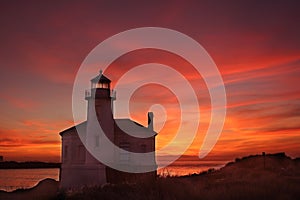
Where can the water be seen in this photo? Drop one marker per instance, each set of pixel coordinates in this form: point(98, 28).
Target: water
point(12, 179)
point(181, 168)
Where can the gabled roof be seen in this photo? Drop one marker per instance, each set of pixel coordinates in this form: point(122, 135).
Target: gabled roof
point(125, 124)
point(134, 129)
point(81, 125)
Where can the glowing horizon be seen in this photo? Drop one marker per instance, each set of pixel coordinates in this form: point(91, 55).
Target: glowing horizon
point(258, 60)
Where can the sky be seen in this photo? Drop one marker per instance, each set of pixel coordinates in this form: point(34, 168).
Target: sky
point(255, 45)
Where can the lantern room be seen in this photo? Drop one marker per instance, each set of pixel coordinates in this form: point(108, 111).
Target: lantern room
point(100, 82)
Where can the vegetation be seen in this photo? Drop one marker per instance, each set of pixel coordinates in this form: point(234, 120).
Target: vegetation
point(272, 176)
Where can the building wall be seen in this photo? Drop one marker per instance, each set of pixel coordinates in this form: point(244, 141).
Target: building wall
point(75, 172)
point(134, 161)
point(78, 171)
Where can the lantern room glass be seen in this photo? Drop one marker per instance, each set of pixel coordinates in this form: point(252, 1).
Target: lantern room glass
point(100, 85)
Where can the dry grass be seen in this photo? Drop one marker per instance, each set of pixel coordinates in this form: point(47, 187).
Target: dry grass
point(245, 179)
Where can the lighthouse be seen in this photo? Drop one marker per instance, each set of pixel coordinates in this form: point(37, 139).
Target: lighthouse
point(80, 165)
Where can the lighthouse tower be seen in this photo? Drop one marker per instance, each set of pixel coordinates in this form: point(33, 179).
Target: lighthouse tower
point(99, 113)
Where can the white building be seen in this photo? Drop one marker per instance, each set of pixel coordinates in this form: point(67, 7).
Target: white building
point(79, 167)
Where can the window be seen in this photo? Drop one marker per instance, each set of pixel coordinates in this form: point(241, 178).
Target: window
point(102, 85)
point(124, 156)
point(81, 153)
point(65, 152)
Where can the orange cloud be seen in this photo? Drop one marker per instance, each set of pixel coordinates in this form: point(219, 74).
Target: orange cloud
point(258, 59)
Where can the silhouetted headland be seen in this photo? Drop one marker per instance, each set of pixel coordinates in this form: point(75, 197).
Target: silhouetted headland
point(45, 189)
point(267, 176)
point(27, 165)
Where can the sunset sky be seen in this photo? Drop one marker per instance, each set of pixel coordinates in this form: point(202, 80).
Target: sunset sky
point(255, 44)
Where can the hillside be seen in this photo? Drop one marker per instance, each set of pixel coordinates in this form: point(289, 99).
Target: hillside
point(246, 178)
point(273, 176)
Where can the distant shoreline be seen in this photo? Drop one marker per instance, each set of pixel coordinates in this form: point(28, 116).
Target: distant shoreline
point(264, 176)
point(28, 165)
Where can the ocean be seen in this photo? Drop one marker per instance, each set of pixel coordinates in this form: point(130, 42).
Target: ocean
point(12, 179)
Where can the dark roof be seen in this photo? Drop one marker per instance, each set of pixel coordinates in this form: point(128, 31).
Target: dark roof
point(127, 122)
point(100, 78)
point(133, 128)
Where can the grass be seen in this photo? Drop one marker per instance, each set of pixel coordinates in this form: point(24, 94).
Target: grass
point(247, 178)
point(254, 177)
point(199, 188)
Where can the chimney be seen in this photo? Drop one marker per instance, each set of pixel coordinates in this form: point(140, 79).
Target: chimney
point(150, 121)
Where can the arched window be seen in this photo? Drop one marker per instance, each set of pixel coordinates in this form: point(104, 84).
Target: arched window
point(125, 155)
point(65, 151)
point(81, 153)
